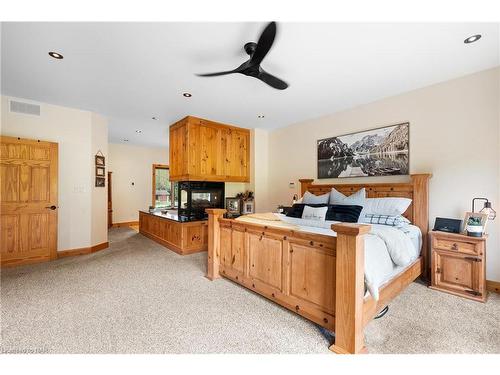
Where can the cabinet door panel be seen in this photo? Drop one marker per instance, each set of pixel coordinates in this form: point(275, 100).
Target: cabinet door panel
point(238, 250)
point(312, 275)
point(235, 147)
point(225, 246)
point(265, 256)
point(457, 272)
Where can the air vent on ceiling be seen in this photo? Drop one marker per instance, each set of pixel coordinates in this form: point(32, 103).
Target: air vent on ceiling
point(26, 108)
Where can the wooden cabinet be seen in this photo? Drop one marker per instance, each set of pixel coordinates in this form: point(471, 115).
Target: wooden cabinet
point(458, 265)
point(202, 150)
point(181, 237)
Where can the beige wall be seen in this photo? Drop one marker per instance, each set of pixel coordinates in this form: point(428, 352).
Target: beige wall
point(259, 155)
point(454, 134)
point(132, 164)
point(79, 134)
point(99, 195)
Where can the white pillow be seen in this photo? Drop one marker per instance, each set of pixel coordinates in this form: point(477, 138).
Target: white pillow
point(391, 206)
point(310, 198)
point(314, 213)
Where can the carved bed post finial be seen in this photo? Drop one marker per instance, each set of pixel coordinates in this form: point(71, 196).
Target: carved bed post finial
point(214, 214)
point(304, 185)
point(349, 288)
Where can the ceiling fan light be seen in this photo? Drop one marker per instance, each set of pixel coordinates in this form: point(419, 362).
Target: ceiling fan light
point(472, 39)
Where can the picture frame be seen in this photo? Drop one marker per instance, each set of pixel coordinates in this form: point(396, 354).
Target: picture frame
point(382, 151)
point(233, 205)
point(100, 160)
point(248, 207)
point(481, 219)
point(100, 171)
point(100, 182)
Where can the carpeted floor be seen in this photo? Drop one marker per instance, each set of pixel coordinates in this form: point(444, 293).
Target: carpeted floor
point(138, 297)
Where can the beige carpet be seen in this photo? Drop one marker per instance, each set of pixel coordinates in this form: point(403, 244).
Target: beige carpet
point(138, 297)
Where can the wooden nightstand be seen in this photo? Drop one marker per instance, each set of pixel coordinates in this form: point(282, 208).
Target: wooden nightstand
point(458, 265)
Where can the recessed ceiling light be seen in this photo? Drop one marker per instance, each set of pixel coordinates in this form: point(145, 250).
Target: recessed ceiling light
point(472, 39)
point(187, 95)
point(138, 131)
point(125, 140)
point(56, 55)
point(155, 118)
point(261, 116)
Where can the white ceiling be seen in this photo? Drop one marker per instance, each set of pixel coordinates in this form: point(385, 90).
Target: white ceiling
point(133, 71)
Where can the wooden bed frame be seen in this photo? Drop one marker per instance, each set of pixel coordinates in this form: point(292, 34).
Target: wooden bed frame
point(319, 277)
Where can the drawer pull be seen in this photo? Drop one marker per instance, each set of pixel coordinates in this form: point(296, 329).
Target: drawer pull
point(454, 246)
point(473, 259)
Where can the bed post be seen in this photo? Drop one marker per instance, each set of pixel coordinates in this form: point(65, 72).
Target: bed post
point(304, 185)
point(349, 288)
point(420, 184)
point(214, 214)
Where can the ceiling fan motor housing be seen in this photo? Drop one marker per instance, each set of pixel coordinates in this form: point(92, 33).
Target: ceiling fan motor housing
point(250, 48)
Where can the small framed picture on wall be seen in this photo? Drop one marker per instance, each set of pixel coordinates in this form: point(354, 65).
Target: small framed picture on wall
point(100, 182)
point(100, 171)
point(100, 160)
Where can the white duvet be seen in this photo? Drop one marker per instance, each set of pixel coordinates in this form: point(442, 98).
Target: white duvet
point(387, 249)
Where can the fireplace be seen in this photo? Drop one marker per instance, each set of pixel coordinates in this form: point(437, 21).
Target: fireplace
point(196, 196)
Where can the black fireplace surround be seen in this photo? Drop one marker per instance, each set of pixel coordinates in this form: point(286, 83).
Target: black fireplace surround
point(196, 196)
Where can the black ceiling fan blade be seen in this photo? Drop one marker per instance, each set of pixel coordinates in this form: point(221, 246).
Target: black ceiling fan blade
point(264, 44)
point(272, 80)
point(218, 73)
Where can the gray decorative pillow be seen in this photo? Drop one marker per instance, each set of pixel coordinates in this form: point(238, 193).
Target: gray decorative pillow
point(310, 198)
point(356, 199)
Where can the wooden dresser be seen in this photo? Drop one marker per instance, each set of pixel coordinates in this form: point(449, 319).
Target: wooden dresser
point(203, 150)
point(458, 265)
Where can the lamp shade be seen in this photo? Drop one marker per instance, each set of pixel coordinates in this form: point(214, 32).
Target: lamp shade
point(488, 210)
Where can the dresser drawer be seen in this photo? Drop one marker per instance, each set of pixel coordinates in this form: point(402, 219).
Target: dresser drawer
point(459, 246)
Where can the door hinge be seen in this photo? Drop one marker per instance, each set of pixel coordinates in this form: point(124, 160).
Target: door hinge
point(438, 270)
point(473, 259)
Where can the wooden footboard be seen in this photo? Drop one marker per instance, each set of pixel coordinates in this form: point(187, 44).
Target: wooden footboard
point(319, 277)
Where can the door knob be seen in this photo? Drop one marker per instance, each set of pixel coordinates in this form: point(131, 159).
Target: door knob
point(51, 207)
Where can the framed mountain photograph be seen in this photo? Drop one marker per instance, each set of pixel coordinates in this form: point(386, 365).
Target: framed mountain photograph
point(378, 152)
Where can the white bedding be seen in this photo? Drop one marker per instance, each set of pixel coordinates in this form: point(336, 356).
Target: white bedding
point(388, 250)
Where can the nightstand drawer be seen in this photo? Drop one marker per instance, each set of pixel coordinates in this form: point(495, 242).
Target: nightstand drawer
point(459, 246)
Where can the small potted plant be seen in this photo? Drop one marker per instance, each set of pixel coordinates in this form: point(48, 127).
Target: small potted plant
point(474, 226)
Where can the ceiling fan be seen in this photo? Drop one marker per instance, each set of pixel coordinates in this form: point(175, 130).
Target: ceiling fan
point(257, 52)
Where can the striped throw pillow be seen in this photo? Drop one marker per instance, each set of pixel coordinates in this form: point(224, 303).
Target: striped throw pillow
point(393, 221)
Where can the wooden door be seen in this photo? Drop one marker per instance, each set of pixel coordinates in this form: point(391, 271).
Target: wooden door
point(459, 273)
point(28, 197)
point(110, 202)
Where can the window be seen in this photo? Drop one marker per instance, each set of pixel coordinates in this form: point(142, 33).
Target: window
point(164, 191)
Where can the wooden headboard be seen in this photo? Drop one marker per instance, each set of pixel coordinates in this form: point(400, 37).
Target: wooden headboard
point(417, 189)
